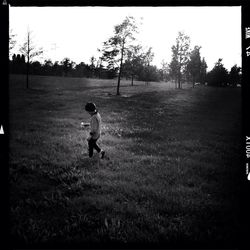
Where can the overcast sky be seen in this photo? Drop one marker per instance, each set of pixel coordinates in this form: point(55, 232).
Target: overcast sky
point(77, 32)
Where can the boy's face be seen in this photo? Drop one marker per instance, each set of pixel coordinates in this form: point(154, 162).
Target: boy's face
point(91, 112)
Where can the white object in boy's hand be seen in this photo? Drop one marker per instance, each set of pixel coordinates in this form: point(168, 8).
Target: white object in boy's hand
point(83, 124)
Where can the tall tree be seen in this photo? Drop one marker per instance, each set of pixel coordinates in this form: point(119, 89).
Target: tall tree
point(194, 64)
point(180, 56)
point(115, 49)
point(30, 51)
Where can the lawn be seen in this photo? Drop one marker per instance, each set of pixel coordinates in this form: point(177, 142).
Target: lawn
point(171, 175)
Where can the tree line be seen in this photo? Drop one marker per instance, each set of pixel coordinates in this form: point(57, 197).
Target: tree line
point(122, 57)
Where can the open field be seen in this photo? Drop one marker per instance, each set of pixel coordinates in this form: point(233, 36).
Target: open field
point(171, 176)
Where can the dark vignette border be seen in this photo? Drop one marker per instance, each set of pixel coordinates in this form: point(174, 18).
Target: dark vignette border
point(4, 107)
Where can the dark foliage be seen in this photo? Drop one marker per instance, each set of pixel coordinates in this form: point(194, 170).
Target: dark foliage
point(218, 76)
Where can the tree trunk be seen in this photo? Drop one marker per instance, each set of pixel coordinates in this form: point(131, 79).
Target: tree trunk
point(27, 72)
point(179, 81)
point(132, 82)
point(120, 71)
point(27, 76)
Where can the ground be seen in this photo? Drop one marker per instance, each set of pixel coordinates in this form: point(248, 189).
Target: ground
point(171, 175)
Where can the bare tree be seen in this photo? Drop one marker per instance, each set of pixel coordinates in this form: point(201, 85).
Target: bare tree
point(29, 50)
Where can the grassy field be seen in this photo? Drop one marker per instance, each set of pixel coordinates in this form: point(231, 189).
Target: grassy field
point(171, 176)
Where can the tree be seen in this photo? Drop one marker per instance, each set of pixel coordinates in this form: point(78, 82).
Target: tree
point(99, 63)
point(36, 68)
point(180, 56)
point(133, 62)
point(164, 71)
point(235, 75)
point(30, 51)
point(92, 66)
point(67, 65)
point(57, 69)
point(148, 58)
point(194, 64)
point(99, 66)
point(12, 41)
point(115, 49)
point(218, 76)
point(17, 65)
point(173, 70)
point(48, 67)
point(203, 71)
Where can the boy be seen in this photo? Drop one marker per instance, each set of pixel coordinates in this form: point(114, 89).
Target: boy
point(95, 129)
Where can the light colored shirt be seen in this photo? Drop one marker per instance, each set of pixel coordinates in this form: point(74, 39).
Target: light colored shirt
point(95, 125)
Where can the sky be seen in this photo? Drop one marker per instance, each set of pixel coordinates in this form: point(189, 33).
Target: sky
point(77, 32)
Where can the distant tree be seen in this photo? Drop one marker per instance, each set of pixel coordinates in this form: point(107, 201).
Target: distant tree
point(147, 59)
point(67, 65)
point(174, 70)
point(92, 66)
point(17, 65)
point(218, 76)
point(48, 67)
point(36, 68)
point(235, 75)
point(133, 62)
point(115, 49)
point(164, 71)
point(194, 65)
point(30, 51)
point(180, 56)
point(99, 66)
point(81, 70)
point(203, 71)
point(57, 69)
point(12, 42)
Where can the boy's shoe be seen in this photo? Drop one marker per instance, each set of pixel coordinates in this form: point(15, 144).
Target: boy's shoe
point(102, 154)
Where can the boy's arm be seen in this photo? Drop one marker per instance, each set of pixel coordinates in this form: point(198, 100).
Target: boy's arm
point(94, 126)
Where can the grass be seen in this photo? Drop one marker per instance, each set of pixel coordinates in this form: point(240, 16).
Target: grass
point(171, 176)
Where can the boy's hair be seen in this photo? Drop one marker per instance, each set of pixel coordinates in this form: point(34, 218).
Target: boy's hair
point(90, 107)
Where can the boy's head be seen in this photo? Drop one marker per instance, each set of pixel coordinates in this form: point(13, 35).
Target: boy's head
point(90, 107)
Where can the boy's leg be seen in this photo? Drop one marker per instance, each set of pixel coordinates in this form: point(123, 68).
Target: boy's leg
point(90, 143)
point(96, 147)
